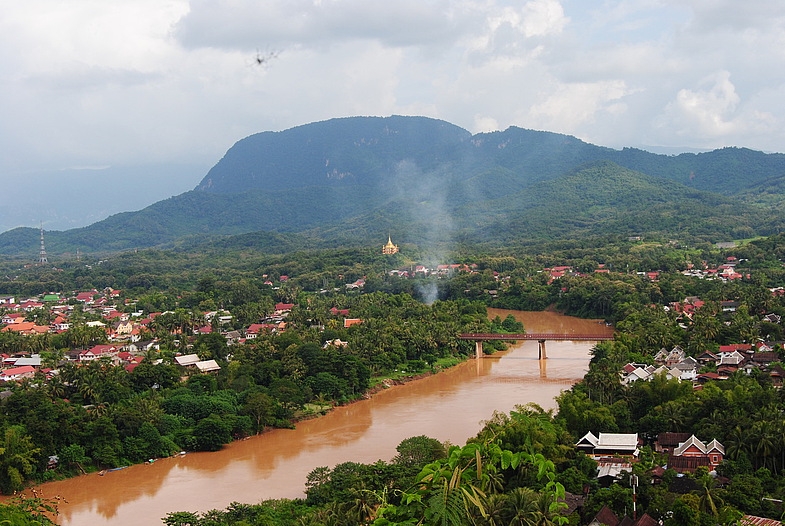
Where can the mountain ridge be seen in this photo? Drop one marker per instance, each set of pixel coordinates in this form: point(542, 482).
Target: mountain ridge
point(353, 179)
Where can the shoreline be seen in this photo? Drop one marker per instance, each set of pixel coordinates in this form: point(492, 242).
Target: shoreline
point(276, 465)
point(384, 385)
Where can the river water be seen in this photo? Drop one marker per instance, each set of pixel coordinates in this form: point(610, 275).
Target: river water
point(449, 406)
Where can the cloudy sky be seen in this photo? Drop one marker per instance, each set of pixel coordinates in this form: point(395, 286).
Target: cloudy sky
point(90, 89)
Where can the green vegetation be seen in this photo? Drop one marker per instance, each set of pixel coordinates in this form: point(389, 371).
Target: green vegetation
point(350, 182)
point(98, 415)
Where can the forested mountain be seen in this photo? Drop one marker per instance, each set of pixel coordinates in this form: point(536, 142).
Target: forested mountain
point(354, 180)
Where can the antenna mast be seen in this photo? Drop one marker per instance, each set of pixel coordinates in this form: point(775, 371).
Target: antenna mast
point(42, 253)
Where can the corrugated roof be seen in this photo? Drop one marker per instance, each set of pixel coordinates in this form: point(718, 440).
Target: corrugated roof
point(208, 365)
point(188, 359)
point(751, 520)
point(618, 440)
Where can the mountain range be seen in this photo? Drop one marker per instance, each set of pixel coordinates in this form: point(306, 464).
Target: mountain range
point(356, 180)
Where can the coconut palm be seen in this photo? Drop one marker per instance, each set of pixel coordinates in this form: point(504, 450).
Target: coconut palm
point(523, 507)
point(708, 498)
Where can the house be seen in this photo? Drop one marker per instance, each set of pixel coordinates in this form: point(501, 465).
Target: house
point(609, 444)
point(358, 284)
point(186, 360)
point(661, 356)
point(125, 356)
point(281, 308)
point(87, 297)
point(60, 324)
point(610, 469)
point(730, 305)
point(727, 370)
point(123, 327)
point(687, 368)
point(706, 377)
point(27, 328)
point(692, 454)
point(233, 337)
point(12, 317)
point(707, 357)
point(207, 366)
point(752, 520)
point(605, 517)
point(777, 375)
point(741, 347)
point(676, 356)
point(733, 358)
point(98, 351)
point(129, 367)
point(205, 329)
point(667, 442)
point(636, 373)
point(30, 305)
point(17, 373)
point(144, 346)
point(764, 357)
point(33, 361)
point(350, 322)
point(257, 328)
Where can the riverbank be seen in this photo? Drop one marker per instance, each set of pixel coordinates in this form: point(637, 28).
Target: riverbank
point(449, 406)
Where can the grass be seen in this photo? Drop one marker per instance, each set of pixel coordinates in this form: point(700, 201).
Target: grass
point(402, 373)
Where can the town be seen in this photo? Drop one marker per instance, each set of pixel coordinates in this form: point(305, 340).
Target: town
point(281, 346)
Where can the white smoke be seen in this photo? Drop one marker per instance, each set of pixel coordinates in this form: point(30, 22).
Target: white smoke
point(424, 196)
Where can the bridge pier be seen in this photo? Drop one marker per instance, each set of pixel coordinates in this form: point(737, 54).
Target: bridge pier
point(478, 338)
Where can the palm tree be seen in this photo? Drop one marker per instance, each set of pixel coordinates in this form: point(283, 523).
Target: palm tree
point(55, 387)
point(87, 384)
point(765, 440)
point(708, 498)
point(523, 506)
point(495, 508)
point(362, 509)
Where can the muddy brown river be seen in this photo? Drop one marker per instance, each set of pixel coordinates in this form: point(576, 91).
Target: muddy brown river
point(449, 406)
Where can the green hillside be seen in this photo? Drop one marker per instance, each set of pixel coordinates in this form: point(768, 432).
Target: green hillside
point(352, 181)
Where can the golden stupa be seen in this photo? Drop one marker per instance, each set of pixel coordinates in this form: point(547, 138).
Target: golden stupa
point(389, 248)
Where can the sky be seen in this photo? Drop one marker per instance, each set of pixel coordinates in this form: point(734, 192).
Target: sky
point(110, 105)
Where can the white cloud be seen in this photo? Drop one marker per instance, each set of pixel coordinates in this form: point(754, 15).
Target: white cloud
point(573, 105)
point(715, 111)
point(248, 23)
point(709, 111)
point(89, 82)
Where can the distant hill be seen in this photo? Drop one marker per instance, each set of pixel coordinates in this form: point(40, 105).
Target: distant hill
point(352, 181)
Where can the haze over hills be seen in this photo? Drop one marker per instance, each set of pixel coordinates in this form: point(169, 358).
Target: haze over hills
point(354, 180)
point(77, 197)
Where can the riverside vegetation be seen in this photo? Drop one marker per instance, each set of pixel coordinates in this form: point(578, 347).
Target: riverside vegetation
point(518, 468)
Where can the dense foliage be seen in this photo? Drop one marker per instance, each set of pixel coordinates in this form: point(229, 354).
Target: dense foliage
point(98, 415)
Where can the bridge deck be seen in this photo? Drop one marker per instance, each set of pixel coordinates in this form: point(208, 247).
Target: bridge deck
point(536, 336)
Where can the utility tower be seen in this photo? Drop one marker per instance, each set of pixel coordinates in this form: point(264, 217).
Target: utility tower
point(42, 253)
